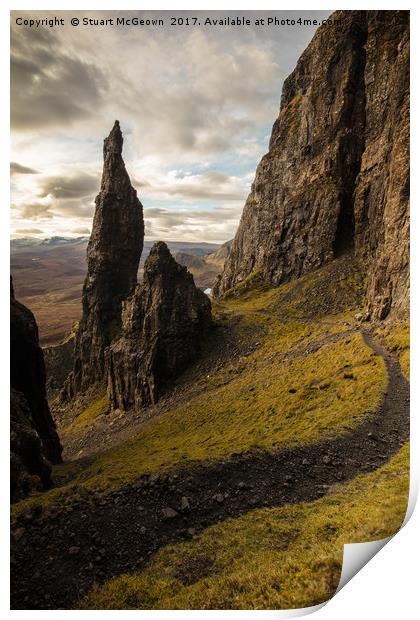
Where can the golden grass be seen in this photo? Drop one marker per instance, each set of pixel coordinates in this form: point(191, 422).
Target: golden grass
point(277, 558)
point(255, 410)
point(88, 416)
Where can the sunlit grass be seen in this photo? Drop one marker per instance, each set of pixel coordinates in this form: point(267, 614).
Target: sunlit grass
point(87, 417)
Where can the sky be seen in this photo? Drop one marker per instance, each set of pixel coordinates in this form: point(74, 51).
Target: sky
point(196, 105)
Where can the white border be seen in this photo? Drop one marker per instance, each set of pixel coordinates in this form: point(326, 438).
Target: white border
point(387, 587)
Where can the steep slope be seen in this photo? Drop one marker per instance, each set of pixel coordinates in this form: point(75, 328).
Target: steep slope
point(272, 558)
point(163, 325)
point(381, 197)
point(289, 435)
point(335, 179)
point(113, 255)
point(191, 262)
point(33, 435)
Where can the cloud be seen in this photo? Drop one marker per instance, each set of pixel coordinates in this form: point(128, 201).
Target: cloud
point(80, 231)
point(168, 217)
point(59, 197)
point(29, 231)
point(68, 187)
point(35, 211)
point(216, 224)
point(206, 98)
point(16, 168)
point(212, 185)
point(50, 87)
point(189, 91)
point(195, 104)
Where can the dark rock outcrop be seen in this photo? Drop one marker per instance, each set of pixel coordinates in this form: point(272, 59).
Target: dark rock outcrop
point(28, 466)
point(113, 255)
point(33, 435)
point(163, 325)
point(335, 179)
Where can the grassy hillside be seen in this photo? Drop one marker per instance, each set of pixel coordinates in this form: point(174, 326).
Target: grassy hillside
point(305, 377)
point(276, 558)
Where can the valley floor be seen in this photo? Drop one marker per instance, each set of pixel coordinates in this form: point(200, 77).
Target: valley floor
point(238, 490)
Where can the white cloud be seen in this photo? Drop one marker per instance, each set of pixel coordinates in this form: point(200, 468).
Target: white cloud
point(195, 106)
point(80, 231)
point(213, 225)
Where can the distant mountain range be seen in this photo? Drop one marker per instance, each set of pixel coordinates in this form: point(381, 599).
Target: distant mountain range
point(49, 274)
point(25, 244)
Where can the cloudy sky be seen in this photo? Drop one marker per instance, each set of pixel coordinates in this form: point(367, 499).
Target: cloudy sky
point(196, 106)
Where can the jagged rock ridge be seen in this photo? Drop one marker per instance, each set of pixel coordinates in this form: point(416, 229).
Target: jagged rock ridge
point(335, 178)
point(33, 437)
point(163, 325)
point(113, 256)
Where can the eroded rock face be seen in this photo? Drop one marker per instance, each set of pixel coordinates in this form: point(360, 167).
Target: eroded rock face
point(113, 255)
point(381, 197)
point(335, 179)
point(163, 326)
point(59, 362)
point(33, 435)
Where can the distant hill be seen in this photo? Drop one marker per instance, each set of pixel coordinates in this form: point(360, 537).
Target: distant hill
point(220, 255)
point(205, 268)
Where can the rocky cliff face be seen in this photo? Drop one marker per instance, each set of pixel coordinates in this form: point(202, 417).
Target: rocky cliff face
point(59, 362)
point(163, 325)
point(381, 196)
point(113, 255)
point(33, 435)
point(335, 179)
